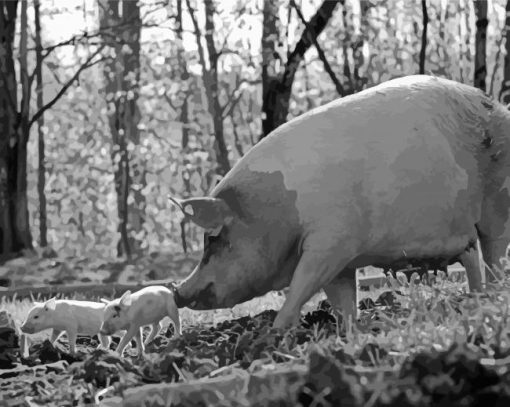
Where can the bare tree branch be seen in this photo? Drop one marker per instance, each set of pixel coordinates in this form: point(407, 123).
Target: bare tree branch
point(320, 52)
point(237, 141)
point(198, 34)
point(223, 50)
point(248, 126)
point(312, 30)
point(232, 99)
point(88, 63)
point(232, 104)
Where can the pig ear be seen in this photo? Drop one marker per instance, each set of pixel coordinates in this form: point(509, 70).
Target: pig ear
point(126, 298)
point(208, 213)
point(50, 304)
point(104, 301)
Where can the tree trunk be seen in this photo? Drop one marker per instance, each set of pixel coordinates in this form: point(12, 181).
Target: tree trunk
point(14, 224)
point(480, 44)
point(185, 83)
point(212, 90)
point(23, 130)
point(357, 47)
point(41, 171)
point(210, 79)
point(121, 23)
point(136, 163)
point(349, 85)
point(270, 37)
point(423, 51)
point(504, 95)
point(8, 139)
point(277, 85)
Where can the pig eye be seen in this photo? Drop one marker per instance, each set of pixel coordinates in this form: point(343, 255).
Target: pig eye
point(36, 317)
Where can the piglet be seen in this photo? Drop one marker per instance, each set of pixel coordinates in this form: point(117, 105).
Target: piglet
point(74, 317)
point(131, 312)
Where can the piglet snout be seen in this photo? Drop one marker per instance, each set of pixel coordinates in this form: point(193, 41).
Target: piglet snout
point(27, 329)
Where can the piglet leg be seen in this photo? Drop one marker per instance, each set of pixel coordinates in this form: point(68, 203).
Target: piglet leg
point(130, 333)
point(173, 313)
point(139, 342)
point(71, 336)
point(104, 341)
point(55, 335)
point(155, 328)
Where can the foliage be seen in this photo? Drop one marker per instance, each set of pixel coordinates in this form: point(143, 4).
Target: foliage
point(363, 49)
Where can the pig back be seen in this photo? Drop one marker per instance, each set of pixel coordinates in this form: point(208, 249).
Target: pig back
point(401, 161)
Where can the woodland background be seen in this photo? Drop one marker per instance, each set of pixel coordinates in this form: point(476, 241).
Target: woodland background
point(106, 107)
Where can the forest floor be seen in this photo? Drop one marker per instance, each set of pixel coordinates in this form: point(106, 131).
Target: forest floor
point(421, 346)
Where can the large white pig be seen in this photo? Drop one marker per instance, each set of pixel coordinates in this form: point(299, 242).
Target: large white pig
point(412, 170)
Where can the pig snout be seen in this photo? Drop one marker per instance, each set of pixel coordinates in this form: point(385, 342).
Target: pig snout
point(198, 299)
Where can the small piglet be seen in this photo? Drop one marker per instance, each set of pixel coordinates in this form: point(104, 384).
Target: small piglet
point(131, 312)
point(74, 317)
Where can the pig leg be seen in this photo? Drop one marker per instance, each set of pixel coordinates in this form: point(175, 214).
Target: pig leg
point(494, 225)
point(55, 335)
point(315, 269)
point(155, 328)
point(173, 313)
point(471, 263)
point(492, 250)
point(104, 341)
point(341, 293)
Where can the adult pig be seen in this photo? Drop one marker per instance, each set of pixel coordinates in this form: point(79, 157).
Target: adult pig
point(415, 169)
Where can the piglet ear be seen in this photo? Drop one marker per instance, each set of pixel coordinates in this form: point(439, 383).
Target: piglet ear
point(50, 304)
point(206, 212)
point(126, 299)
point(104, 301)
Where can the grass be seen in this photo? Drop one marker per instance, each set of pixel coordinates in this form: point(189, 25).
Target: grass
point(19, 310)
point(429, 318)
point(426, 326)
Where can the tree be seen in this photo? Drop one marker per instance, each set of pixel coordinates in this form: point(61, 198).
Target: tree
point(423, 51)
point(504, 95)
point(120, 24)
point(14, 228)
point(15, 127)
point(480, 44)
point(277, 82)
point(184, 96)
point(210, 78)
point(41, 179)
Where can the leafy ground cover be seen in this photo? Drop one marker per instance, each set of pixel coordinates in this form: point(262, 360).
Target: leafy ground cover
point(422, 346)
